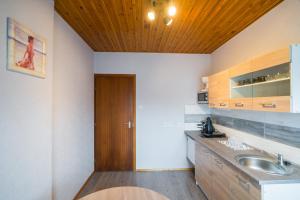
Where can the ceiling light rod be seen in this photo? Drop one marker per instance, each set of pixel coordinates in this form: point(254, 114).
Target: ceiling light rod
point(154, 3)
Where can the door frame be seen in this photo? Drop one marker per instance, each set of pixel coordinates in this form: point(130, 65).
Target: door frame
point(134, 113)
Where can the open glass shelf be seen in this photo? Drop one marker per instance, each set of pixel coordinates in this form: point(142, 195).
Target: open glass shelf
point(261, 83)
point(274, 81)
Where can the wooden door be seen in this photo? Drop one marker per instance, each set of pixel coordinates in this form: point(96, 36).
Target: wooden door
point(114, 122)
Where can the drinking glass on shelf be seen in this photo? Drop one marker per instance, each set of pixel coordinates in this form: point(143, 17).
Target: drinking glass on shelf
point(277, 76)
point(284, 75)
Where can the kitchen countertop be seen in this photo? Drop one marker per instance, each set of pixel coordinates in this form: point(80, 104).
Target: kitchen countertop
point(229, 155)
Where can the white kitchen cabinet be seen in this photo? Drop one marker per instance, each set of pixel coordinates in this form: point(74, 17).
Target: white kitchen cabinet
point(191, 149)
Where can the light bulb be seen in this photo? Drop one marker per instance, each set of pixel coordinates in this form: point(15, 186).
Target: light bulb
point(168, 21)
point(171, 11)
point(151, 15)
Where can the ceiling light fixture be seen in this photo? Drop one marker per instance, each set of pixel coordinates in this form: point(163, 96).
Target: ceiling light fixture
point(166, 6)
point(151, 15)
point(172, 11)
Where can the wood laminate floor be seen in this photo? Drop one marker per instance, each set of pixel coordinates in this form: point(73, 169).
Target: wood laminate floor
point(176, 185)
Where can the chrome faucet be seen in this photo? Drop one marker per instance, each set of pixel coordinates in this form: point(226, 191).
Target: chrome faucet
point(280, 160)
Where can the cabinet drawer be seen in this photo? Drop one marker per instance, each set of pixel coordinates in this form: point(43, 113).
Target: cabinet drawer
point(241, 103)
point(274, 104)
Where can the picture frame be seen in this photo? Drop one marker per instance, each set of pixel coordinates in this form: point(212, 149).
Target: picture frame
point(26, 51)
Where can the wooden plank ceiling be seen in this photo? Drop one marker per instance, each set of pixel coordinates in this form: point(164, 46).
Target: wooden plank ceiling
point(200, 26)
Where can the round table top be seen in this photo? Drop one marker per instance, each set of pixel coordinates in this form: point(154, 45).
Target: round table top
point(125, 193)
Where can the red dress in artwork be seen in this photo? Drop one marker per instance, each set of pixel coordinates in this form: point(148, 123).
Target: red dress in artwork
point(27, 61)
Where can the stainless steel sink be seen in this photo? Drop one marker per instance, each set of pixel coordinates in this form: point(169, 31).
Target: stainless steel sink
point(264, 164)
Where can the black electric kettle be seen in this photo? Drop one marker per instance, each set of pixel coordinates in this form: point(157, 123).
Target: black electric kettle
point(208, 128)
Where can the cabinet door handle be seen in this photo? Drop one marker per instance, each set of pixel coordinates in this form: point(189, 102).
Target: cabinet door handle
point(223, 104)
point(239, 105)
point(268, 105)
point(243, 183)
point(219, 163)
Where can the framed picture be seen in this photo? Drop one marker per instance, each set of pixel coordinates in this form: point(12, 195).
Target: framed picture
point(26, 51)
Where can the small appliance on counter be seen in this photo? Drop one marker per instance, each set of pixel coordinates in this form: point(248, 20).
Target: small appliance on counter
point(209, 131)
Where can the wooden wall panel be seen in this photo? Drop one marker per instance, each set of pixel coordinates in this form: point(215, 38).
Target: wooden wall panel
point(200, 26)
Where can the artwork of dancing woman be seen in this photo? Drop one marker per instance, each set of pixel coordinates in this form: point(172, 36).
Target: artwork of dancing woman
point(27, 60)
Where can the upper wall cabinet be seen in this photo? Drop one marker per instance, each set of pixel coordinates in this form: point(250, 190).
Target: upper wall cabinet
point(267, 83)
point(241, 69)
point(262, 90)
point(272, 59)
point(218, 90)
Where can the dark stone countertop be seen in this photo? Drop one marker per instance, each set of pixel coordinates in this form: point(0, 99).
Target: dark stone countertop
point(229, 154)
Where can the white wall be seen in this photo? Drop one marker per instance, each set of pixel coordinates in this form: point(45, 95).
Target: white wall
point(26, 110)
point(277, 29)
point(73, 140)
point(165, 83)
point(28, 119)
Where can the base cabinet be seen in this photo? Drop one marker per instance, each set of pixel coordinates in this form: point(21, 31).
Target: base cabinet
point(221, 181)
point(202, 170)
point(191, 150)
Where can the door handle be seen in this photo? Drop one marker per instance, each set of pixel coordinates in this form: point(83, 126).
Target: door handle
point(129, 124)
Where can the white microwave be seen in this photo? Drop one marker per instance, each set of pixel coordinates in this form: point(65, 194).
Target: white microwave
point(202, 98)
